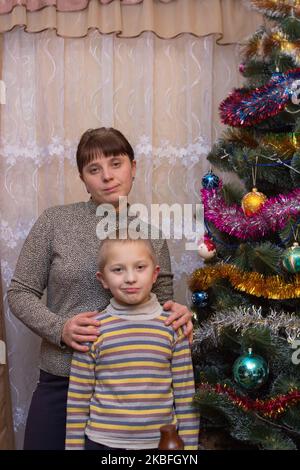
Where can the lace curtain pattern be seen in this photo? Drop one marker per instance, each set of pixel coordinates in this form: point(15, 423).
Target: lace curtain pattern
point(162, 94)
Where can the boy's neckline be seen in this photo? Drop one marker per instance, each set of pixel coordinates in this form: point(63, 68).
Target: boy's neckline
point(146, 311)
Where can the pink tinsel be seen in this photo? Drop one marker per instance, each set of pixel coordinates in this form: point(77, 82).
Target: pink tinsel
point(272, 217)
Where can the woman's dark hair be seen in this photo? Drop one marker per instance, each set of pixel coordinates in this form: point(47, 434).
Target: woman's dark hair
point(105, 141)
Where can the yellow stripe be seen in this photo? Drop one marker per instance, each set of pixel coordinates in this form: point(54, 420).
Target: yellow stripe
point(182, 368)
point(78, 409)
point(82, 364)
point(183, 400)
point(122, 427)
point(136, 346)
point(79, 395)
point(133, 364)
point(128, 411)
point(183, 352)
point(106, 320)
point(135, 395)
point(183, 384)
point(76, 425)
point(82, 381)
point(145, 331)
point(74, 441)
point(188, 431)
point(188, 415)
point(144, 380)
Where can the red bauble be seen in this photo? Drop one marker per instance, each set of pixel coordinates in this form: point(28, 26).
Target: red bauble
point(207, 248)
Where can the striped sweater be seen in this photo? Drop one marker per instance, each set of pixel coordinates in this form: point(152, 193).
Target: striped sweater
point(135, 378)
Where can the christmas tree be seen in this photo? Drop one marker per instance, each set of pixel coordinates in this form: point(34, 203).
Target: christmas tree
point(246, 297)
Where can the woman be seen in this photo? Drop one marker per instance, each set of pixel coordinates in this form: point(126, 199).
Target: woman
point(59, 254)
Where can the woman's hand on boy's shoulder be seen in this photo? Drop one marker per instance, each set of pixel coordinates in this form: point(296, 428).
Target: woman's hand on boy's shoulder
point(82, 328)
point(179, 316)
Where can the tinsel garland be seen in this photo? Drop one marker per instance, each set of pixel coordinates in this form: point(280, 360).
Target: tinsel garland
point(272, 407)
point(277, 8)
point(246, 108)
point(240, 319)
point(272, 217)
point(253, 283)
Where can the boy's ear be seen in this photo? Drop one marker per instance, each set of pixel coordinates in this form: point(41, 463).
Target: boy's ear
point(156, 273)
point(101, 279)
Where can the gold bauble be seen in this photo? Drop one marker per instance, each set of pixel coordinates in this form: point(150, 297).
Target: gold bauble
point(252, 202)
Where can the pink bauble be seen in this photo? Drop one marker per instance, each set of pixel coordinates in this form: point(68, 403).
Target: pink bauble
point(242, 68)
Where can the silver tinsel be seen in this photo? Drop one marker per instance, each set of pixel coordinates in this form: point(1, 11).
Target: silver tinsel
point(240, 319)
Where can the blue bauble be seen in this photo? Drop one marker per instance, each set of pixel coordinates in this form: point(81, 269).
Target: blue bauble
point(200, 298)
point(250, 371)
point(210, 181)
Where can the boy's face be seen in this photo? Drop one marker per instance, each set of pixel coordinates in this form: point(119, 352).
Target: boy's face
point(129, 272)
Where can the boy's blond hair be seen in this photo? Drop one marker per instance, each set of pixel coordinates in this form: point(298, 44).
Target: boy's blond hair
point(123, 236)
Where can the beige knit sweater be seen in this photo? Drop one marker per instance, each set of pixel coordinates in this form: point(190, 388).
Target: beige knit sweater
point(60, 254)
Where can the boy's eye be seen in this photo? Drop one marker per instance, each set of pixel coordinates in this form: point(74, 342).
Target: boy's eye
point(94, 170)
point(116, 164)
point(117, 270)
point(141, 266)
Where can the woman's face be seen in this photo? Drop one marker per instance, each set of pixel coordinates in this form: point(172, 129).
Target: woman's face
point(108, 178)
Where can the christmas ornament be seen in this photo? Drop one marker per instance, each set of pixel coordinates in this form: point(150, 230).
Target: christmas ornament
point(250, 371)
point(242, 68)
point(252, 202)
point(272, 217)
point(200, 299)
point(291, 259)
point(210, 180)
point(253, 283)
point(246, 108)
point(295, 92)
point(207, 248)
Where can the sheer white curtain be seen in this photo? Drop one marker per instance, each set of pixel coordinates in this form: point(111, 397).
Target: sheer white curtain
point(162, 94)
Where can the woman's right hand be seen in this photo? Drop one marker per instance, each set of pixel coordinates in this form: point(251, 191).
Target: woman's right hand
point(80, 329)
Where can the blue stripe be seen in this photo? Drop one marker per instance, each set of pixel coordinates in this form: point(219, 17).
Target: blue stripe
point(134, 341)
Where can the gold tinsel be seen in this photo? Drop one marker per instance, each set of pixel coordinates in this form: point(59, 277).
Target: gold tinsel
point(263, 45)
point(253, 46)
point(277, 7)
point(285, 144)
point(269, 287)
point(278, 40)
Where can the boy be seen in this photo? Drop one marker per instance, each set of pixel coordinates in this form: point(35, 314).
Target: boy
point(138, 375)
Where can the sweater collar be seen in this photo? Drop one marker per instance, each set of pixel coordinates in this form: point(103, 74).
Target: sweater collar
point(147, 311)
point(92, 206)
